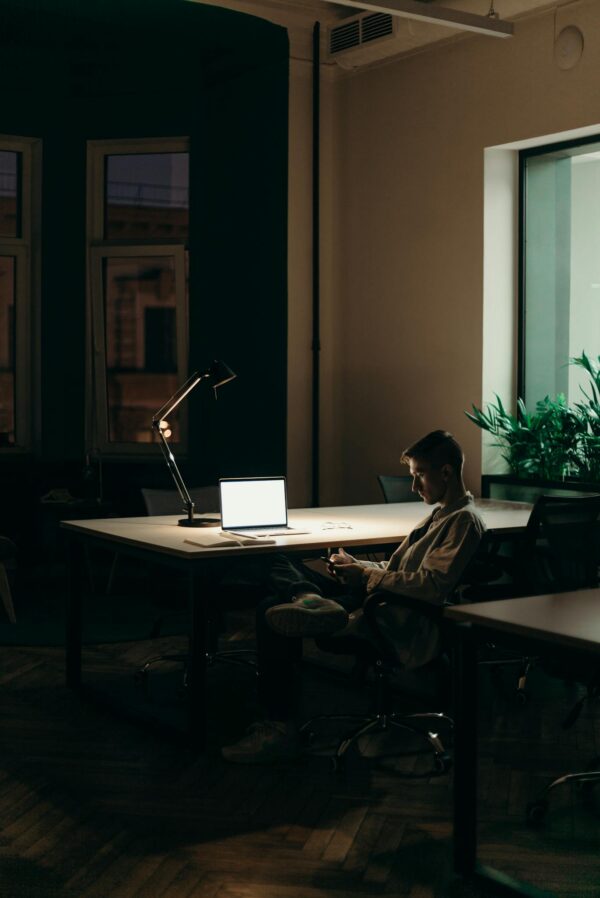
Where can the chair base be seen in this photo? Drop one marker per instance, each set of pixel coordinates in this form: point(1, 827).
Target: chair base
point(586, 779)
point(232, 656)
point(380, 723)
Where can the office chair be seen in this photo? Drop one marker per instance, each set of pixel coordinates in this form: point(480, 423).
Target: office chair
point(557, 553)
point(563, 546)
point(206, 500)
point(559, 550)
point(160, 501)
point(379, 655)
point(397, 488)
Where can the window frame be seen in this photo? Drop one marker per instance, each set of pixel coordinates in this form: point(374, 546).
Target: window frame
point(25, 248)
point(524, 155)
point(97, 256)
point(96, 417)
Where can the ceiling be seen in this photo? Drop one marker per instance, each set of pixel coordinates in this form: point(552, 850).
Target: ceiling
point(412, 35)
point(332, 12)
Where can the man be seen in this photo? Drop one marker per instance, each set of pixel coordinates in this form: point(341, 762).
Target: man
point(425, 568)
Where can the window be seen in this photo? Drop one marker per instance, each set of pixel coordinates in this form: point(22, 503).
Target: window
point(139, 202)
point(18, 167)
point(560, 283)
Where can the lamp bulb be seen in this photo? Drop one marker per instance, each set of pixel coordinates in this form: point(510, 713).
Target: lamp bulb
point(166, 433)
point(163, 425)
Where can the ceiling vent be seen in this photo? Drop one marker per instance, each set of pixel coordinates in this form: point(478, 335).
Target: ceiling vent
point(371, 36)
point(361, 39)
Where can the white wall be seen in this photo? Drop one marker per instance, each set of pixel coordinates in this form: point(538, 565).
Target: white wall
point(407, 286)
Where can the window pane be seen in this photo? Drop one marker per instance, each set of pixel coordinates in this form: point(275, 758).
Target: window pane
point(141, 353)
point(562, 270)
point(147, 196)
point(10, 194)
point(7, 350)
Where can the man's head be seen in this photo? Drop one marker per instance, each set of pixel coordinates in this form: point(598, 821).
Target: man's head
point(436, 463)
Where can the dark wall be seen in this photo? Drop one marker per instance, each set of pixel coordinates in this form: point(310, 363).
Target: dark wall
point(74, 71)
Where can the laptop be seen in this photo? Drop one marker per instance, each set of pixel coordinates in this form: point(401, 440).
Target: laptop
point(254, 506)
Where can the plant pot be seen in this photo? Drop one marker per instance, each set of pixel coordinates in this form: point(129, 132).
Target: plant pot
point(527, 489)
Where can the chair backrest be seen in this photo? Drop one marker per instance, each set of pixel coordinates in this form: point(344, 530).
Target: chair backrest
point(397, 488)
point(482, 570)
point(205, 498)
point(561, 546)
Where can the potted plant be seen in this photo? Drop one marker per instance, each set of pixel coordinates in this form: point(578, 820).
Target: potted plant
point(556, 447)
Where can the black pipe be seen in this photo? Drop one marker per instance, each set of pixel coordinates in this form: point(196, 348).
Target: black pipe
point(316, 331)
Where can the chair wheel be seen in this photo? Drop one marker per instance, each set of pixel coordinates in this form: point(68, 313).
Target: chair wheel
point(536, 811)
point(442, 763)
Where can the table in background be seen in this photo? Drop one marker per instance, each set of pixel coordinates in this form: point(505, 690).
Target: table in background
point(564, 621)
point(160, 539)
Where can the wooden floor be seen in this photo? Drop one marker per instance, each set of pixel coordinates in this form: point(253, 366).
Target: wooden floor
point(93, 806)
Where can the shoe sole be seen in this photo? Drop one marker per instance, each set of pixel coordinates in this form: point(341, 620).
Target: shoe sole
point(294, 620)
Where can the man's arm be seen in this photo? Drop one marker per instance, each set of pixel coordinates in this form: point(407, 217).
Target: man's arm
point(440, 570)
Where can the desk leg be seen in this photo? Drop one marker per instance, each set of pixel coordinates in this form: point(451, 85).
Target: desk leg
point(73, 613)
point(196, 671)
point(465, 750)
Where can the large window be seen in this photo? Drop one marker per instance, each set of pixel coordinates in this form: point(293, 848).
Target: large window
point(560, 284)
point(139, 208)
point(18, 208)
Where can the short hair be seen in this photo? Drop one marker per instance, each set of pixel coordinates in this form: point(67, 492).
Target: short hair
point(439, 448)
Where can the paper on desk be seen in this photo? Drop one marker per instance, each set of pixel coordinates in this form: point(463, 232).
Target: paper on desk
point(222, 542)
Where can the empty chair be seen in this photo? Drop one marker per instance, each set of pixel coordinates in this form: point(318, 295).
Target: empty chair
point(159, 501)
point(560, 553)
point(397, 488)
point(559, 550)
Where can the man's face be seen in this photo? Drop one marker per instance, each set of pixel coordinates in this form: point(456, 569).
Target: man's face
point(429, 481)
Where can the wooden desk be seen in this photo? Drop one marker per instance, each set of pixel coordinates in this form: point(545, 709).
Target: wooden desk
point(160, 539)
point(566, 621)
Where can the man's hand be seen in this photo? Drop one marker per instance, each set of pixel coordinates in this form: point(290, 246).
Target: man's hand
point(341, 557)
point(350, 574)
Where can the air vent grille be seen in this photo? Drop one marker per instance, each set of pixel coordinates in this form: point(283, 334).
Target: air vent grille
point(375, 26)
point(362, 30)
point(343, 37)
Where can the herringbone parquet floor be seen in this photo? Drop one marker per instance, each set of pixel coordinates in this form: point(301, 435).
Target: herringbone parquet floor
point(93, 806)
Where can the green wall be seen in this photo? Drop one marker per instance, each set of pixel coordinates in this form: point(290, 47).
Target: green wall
point(74, 71)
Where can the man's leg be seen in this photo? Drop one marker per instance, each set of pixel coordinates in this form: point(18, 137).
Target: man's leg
point(273, 738)
point(309, 603)
point(278, 656)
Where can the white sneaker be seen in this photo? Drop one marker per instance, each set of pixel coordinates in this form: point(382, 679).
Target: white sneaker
point(265, 740)
point(307, 615)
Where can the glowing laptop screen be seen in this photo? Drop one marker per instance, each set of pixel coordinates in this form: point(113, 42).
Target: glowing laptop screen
point(253, 502)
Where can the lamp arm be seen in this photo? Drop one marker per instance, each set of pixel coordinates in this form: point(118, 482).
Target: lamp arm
point(175, 472)
point(178, 395)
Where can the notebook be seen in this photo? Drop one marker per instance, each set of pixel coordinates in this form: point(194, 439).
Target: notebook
point(254, 506)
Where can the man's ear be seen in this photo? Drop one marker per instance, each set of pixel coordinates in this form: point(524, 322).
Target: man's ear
point(447, 471)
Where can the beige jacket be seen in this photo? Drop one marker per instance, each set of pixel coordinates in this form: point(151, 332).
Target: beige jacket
point(426, 566)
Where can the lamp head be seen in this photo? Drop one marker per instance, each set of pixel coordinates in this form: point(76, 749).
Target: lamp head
point(218, 374)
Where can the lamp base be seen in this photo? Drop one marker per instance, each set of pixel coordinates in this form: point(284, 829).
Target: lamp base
point(198, 522)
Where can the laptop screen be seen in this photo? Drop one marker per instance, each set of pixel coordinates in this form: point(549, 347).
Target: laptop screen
point(253, 502)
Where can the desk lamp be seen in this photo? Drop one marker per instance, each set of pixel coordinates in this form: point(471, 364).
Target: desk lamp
point(217, 375)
